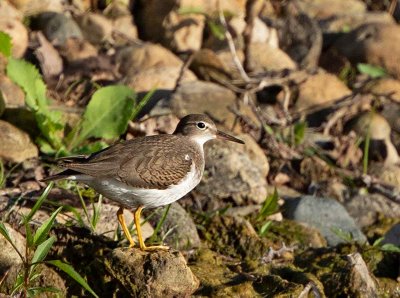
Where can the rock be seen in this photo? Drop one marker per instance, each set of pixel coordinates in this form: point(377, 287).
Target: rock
point(177, 31)
point(18, 34)
point(212, 99)
point(15, 145)
point(58, 28)
point(385, 86)
point(236, 172)
point(331, 8)
point(8, 256)
point(152, 274)
point(95, 27)
point(393, 235)
point(366, 209)
point(373, 125)
point(263, 57)
point(362, 282)
point(374, 43)
point(179, 226)
point(124, 30)
point(141, 57)
point(324, 214)
point(9, 11)
point(35, 7)
point(342, 23)
point(74, 50)
point(209, 67)
point(163, 77)
point(320, 89)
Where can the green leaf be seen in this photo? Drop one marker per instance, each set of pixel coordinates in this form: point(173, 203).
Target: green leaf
point(390, 247)
point(73, 274)
point(371, 70)
point(107, 114)
point(265, 227)
point(42, 250)
point(38, 203)
point(27, 76)
point(87, 149)
point(299, 132)
point(270, 206)
point(216, 29)
point(142, 103)
point(35, 291)
point(29, 234)
point(5, 44)
point(44, 229)
point(342, 234)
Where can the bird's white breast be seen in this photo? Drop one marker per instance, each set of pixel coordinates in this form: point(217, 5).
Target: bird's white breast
point(133, 197)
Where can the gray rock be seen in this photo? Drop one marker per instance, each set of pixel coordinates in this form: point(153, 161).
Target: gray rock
point(393, 235)
point(326, 215)
point(362, 282)
point(152, 274)
point(15, 145)
point(182, 232)
point(11, 93)
point(233, 171)
point(367, 209)
point(58, 27)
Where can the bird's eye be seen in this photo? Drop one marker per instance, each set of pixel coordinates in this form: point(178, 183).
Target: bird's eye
point(201, 125)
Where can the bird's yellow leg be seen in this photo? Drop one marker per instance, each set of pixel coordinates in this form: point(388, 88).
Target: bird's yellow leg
point(121, 219)
point(139, 233)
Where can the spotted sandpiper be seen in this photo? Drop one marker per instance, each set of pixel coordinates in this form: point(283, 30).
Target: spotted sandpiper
point(147, 172)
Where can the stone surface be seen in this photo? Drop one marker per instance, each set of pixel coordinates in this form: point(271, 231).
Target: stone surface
point(320, 89)
point(385, 86)
point(95, 27)
point(263, 57)
point(234, 171)
point(331, 8)
point(211, 99)
point(393, 235)
point(74, 50)
point(18, 34)
point(362, 282)
point(58, 28)
point(178, 227)
point(341, 23)
point(124, 30)
point(374, 43)
point(367, 209)
point(152, 274)
point(163, 78)
point(137, 58)
point(324, 214)
point(9, 11)
point(15, 145)
point(8, 256)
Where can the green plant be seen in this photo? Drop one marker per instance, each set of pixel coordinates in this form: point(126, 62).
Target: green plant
point(371, 70)
point(106, 116)
point(37, 246)
point(389, 247)
point(154, 237)
point(342, 234)
point(269, 207)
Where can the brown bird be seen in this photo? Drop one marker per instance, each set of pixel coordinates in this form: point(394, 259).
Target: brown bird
point(147, 172)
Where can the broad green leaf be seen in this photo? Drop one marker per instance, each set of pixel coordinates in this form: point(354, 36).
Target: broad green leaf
point(73, 274)
point(42, 250)
point(107, 114)
point(38, 203)
point(371, 70)
point(44, 229)
point(29, 234)
point(27, 76)
point(87, 149)
point(5, 44)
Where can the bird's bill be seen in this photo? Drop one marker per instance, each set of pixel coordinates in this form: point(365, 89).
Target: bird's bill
point(224, 136)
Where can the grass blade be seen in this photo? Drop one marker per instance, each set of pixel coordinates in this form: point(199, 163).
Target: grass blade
point(159, 224)
point(38, 203)
point(73, 274)
point(44, 229)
